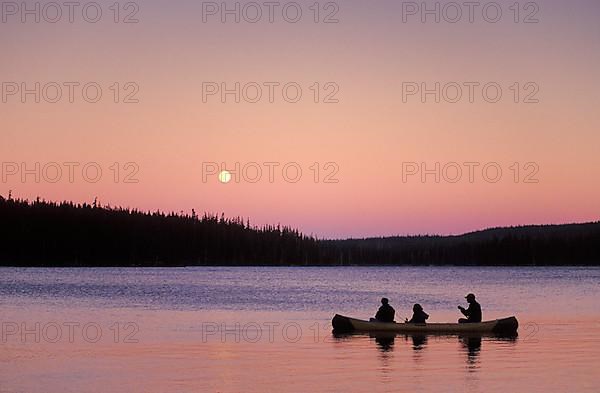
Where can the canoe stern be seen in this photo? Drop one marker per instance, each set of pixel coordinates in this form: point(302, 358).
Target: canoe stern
point(506, 326)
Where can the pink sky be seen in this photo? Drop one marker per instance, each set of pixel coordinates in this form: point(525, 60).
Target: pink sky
point(370, 134)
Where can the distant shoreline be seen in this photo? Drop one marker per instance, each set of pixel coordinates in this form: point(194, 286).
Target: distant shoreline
point(47, 234)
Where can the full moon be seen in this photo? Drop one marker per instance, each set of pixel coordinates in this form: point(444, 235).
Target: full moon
point(224, 177)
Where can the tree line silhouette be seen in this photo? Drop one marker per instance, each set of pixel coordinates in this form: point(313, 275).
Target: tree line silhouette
point(41, 233)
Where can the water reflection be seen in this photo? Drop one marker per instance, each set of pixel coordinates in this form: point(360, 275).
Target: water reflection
point(419, 342)
point(472, 346)
point(386, 343)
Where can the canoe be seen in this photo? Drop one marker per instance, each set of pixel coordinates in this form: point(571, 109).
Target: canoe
point(343, 324)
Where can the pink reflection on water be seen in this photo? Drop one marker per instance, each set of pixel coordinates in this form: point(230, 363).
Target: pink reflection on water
point(172, 356)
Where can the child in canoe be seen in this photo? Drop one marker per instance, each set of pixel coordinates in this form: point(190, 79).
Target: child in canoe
point(419, 316)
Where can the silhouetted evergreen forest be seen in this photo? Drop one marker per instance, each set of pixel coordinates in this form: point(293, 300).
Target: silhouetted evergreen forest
point(44, 233)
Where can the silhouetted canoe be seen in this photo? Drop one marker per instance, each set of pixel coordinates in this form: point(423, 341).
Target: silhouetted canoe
point(499, 326)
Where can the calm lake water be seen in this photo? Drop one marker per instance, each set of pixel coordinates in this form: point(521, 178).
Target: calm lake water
point(268, 330)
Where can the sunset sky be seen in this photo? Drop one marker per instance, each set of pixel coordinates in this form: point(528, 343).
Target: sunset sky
point(369, 137)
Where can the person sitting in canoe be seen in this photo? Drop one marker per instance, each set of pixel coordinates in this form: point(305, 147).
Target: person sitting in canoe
point(419, 316)
point(473, 313)
point(386, 313)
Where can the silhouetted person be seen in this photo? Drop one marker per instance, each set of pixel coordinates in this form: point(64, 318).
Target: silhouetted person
point(419, 316)
point(473, 313)
point(386, 312)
